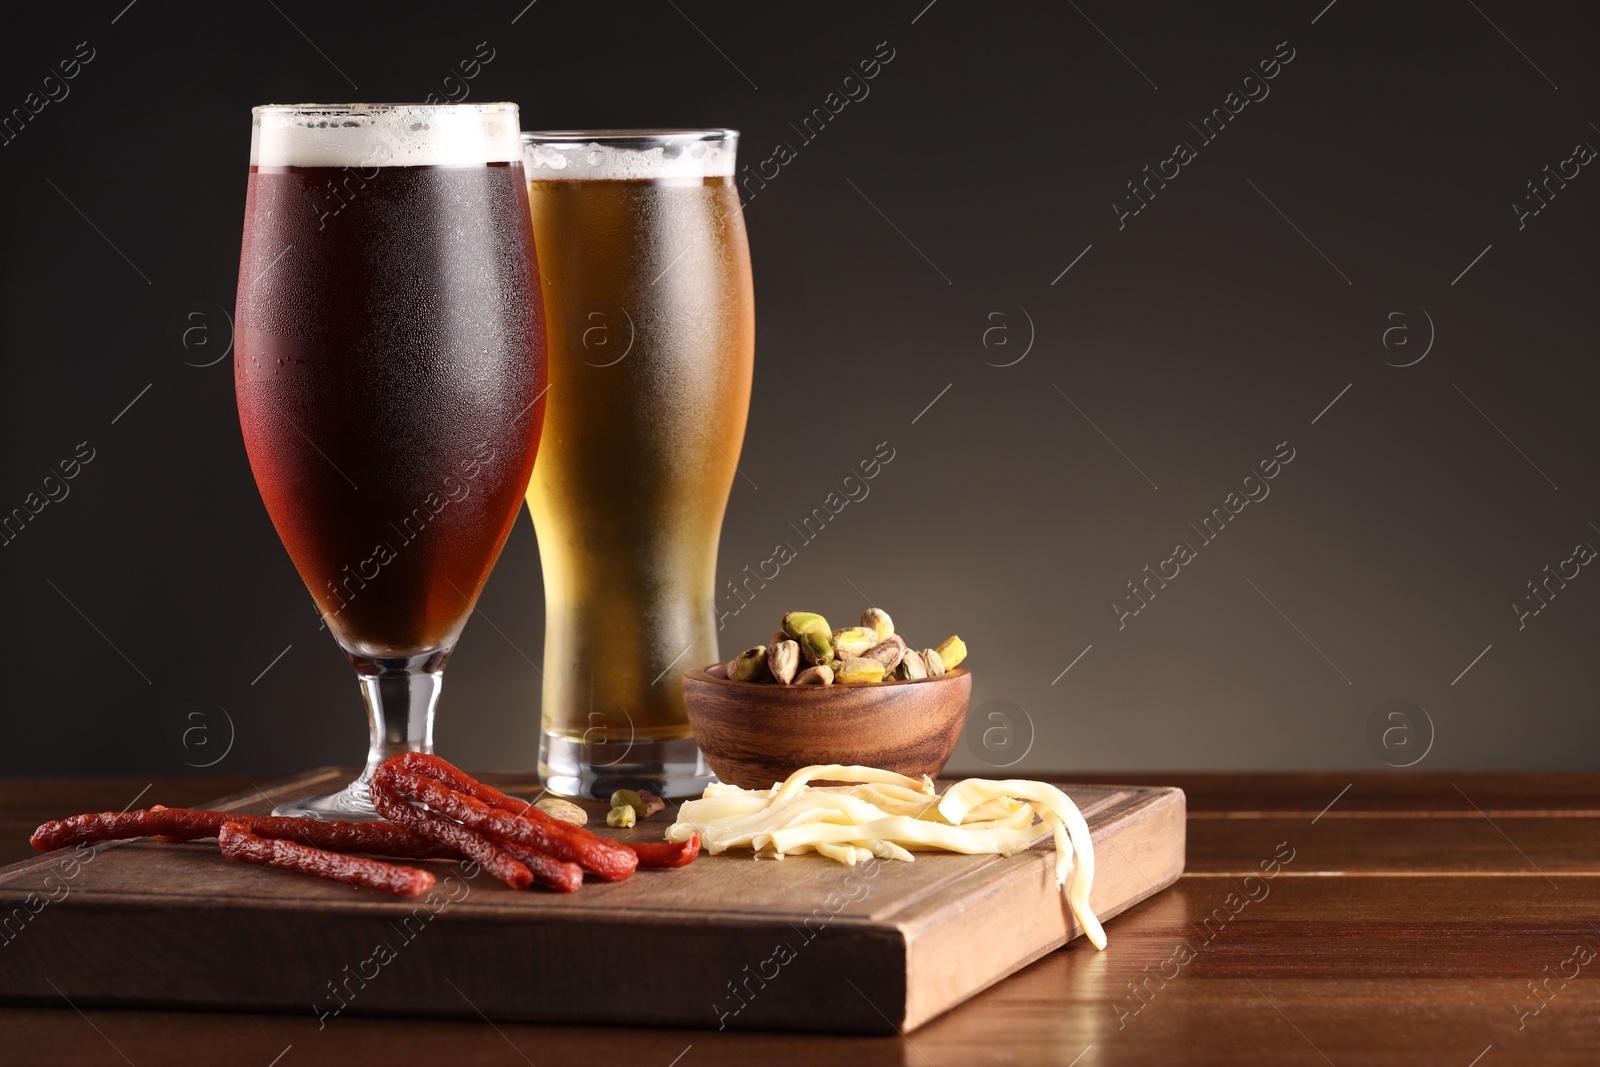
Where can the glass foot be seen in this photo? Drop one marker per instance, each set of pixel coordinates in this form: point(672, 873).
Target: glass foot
point(353, 803)
point(400, 695)
point(569, 767)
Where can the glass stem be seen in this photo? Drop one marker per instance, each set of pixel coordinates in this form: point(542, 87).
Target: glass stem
point(400, 695)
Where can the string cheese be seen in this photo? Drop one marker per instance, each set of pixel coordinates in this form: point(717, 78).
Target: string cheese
point(887, 815)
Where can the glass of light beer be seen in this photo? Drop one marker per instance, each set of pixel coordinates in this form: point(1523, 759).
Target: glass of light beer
point(651, 319)
point(390, 372)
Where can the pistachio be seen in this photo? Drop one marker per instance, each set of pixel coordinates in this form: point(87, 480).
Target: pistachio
point(860, 670)
point(877, 620)
point(817, 648)
point(796, 623)
point(643, 802)
point(627, 798)
point(912, 666)
point(718, 670)
point(952, 650)
point(852, 641)
point(622, 817)
point(783, 659)
point(750, 666)
point(889, 653)
point(563, 811)
point(821, 674)
point(807, 652)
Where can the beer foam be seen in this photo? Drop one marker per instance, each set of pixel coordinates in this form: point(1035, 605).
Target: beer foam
point(624, 155)
point(383, 135)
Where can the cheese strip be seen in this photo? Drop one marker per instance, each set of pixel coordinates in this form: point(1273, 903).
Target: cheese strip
point(887, 815)
point(888, 850)
point(847, 854)
point(962, 797)
point(838, 772)
point(905, 832)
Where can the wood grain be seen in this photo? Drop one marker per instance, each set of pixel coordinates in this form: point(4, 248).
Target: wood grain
point(1392, 970)
point(1348, 795)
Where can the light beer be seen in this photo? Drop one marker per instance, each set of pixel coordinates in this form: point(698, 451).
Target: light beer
point(650, 315)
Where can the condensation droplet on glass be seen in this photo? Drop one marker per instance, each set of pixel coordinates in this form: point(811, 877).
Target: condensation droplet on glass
point(595, 157)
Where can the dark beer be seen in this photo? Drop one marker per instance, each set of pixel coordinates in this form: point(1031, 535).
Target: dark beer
point(387, 369)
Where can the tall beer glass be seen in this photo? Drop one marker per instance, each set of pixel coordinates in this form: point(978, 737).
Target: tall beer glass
point(648, 300)
point(390, 373)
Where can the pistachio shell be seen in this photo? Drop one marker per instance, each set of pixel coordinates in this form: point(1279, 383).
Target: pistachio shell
point(912, 666)
point(563, 810)
point(821, 674)
point(889, 653)
point(783, 660)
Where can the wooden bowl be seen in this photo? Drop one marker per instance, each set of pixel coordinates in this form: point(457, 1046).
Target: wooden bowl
point(754, 734)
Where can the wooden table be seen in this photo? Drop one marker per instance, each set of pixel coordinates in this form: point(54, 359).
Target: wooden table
point(1407, 919)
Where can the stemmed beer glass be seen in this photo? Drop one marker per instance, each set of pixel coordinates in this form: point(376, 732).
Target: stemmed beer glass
point(390, 374)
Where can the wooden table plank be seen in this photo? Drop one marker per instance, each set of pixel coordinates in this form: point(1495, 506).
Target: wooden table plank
point(1258, 795)
point(1040, 1020)
point(1537, 846)
point(1375, 928)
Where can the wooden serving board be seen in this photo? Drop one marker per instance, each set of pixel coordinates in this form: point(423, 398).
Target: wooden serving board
point(803, 943)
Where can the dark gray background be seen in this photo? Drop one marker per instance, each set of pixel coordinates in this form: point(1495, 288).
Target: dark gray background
point(984, 161)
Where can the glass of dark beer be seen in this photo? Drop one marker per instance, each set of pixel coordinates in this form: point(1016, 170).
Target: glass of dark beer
point(390, 375)
point(651, 315)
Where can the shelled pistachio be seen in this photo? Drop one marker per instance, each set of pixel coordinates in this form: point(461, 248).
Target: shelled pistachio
point(859, 670)
point(750, 665)
point(952, 650)
point(852, 641)
point(877, 620)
